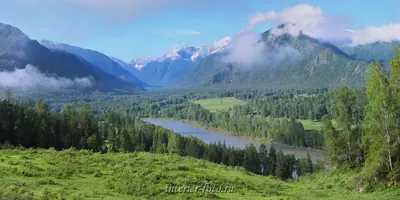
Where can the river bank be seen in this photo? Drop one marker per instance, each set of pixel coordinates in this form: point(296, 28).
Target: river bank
point(185, 127)
point(220, 131)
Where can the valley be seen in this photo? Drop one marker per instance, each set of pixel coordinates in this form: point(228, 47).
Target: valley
point(299, 103)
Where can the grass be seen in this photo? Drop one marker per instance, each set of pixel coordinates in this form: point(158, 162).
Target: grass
point(309, 124)
point(215, 104)
point(72, 174)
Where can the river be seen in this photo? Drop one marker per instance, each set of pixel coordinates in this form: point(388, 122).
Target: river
point(186, 128)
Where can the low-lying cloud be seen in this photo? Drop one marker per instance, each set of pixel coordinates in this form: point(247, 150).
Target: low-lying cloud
point(249, 49)
point(31, 78)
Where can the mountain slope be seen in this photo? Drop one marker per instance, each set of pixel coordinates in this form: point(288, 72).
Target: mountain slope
point(172, 69)
point(382, 51)
point(96, 58)
point(304, 63)
point(17, 51)
point(135, 65)
point(169, 70)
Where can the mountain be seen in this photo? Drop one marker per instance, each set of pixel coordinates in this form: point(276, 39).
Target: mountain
point(136, 65)
point(17, 51)
point(288, 62)
point(382, 51)
point(96, 58)
point(171, 69)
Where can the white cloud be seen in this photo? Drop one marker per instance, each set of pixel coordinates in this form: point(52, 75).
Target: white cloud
point(125, 8)
point(348, 30)
point(45, 30)
point(188, 32)
point(261, 18)
point(248, 49)
point(110, 8)
point(31, 78)
point(307, 19)
point(139, 67)
point(385, 33)
point(178, 33)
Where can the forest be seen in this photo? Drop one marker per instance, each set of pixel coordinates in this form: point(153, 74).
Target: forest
point(360, 126)
point(78, 127)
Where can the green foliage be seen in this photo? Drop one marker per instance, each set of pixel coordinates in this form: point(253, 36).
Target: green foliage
point(81, 174)
point(318, 65)
point(373, 142)
point(382, 120)
point(382, 51)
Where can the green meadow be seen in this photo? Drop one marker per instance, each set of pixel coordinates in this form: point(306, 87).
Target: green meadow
point(214, 104)
point(73, 174)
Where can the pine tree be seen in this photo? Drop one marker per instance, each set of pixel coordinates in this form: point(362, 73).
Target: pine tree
point(174, 143)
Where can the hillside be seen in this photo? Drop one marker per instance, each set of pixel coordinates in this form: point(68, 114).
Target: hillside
point(17, 51)
point(69, 174)
point(172, 69)
point(303, 63)
point(382, 51)
point(169, 70)
point(96, 58)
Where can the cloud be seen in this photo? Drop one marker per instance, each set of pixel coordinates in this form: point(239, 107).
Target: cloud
point(261, 18)
point(45, 30)
point(111, 9)
point(348, 30)
point(139, 67)
point(385, 33)
point(304, 18)
point(31, 78)
point(179, 33)
point(125, 8)
point(188, 32)
point(249, 49)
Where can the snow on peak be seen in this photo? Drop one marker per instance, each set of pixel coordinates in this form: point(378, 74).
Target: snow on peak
point(188, 53)
point(221, 45)
point(142, 60)
point(140, 63)
point(139, 67)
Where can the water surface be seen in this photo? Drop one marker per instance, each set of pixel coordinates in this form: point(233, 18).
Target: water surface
point(186, 128)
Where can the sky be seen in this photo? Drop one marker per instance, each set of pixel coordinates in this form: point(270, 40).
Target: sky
point(127, 29)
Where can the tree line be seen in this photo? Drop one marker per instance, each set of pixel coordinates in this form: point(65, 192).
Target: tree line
point(368, 132)
point(35, 125)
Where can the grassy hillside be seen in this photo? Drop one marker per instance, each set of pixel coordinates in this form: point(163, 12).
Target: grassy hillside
point(72, 174)
point(215, 104)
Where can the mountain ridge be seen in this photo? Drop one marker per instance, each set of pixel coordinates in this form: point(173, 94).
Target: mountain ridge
point(96, 58)
point(321, 65)
point(17, 51)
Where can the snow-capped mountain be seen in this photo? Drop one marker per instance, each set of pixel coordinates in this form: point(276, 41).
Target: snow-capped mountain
point(139, 63)
point(172, 68)
point(196, 53)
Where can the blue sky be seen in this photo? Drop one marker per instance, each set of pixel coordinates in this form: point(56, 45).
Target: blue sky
point(128, 29)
